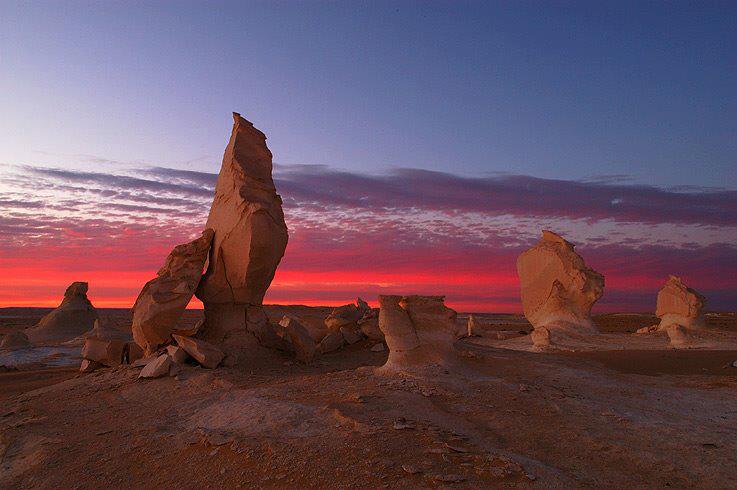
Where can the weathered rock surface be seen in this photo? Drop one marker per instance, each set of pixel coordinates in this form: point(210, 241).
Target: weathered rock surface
point(331, 342)
point(678, 336)
point(249, 242)
point(305, 348)
point(109, 352)
point(342, 316)
point(208, 355)
point(351, 334)
point(73, 317)
point(419, 331)
point(157, 367)
point(558, 289)
point(163, 299)
point(177, 354)
point(680, 305)
point(88, 366)
point(14, 340)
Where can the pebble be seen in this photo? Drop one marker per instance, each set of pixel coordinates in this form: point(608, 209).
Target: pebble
point(401, 423)
point(412, 470)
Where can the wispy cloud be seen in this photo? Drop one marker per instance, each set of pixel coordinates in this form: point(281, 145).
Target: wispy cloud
point(406, 230)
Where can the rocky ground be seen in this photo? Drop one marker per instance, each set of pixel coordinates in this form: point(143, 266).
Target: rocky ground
point(500, 418)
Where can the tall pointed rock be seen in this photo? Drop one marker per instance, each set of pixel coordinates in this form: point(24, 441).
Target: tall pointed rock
point(250, 237)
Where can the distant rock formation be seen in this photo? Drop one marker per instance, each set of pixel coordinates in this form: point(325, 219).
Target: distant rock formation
point(680, 305)
point(73, 317)
point(14, 340)
point(250, 240)
point(419, 331)
point(354, 322)
point(558, 289)
point(163, 299)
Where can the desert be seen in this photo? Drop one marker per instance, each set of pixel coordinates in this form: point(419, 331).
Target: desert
point(361, 245)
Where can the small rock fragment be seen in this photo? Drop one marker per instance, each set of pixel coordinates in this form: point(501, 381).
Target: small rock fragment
point(177, 354)
point(378, 348)
point(88, 366)
point(157, 368)
point(203, 352)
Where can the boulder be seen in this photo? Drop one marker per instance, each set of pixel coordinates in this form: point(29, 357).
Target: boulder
point(558, 289)
point(74, 316)
point(305, 348)
point(370, 328)
point(14, 340)
point(680, 305)
point(177, 354)
point(342, 316)
point(419, 331)
point(351, 334)
point(331, 342)
point(88, 366)
point(249, 242)
point(157, 367)
point(109, 352)
point(208, 355)
point(164, 298)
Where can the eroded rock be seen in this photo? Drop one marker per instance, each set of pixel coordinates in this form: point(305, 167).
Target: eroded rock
point(207, 354)
point(249, 242)
point(74, 316)
point(156, 368)
point(163, 299)
point(558, 289)
point(680, 305)
point(419, 331)
point(305, 348)
point(15, 340)
point(109, 352)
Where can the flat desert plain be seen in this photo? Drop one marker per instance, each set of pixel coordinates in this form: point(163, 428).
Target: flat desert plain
point(503, 417)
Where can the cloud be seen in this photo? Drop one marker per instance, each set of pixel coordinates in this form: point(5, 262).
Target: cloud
point(406, 231)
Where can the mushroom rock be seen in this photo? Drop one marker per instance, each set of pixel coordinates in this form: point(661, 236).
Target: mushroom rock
point(558, 289)
point(680, 305)
point(14, 340)
point(250, 240)
point(164, 298)
point(73, 317)
point(419, 331)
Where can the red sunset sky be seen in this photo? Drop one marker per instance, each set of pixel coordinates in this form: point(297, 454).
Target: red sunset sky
point(407, 231)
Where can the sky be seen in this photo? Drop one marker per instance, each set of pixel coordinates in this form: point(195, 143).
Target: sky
point(419, 147)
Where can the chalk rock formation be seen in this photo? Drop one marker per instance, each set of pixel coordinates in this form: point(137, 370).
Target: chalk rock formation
point(331, 342)
point(305, 348)
point(109, 352)
point(249, 242)
point(14, 340)
point(208, 355)
point(342, 316)
point(419, 331)
point(558, 289)
point(680, 305)
point(164, 298)
point(73, 317)
point(157, 367)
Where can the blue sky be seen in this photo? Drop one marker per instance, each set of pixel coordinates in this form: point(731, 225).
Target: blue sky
point(548, 89)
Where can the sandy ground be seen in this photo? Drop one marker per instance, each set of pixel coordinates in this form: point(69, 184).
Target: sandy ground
point(500, 418)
